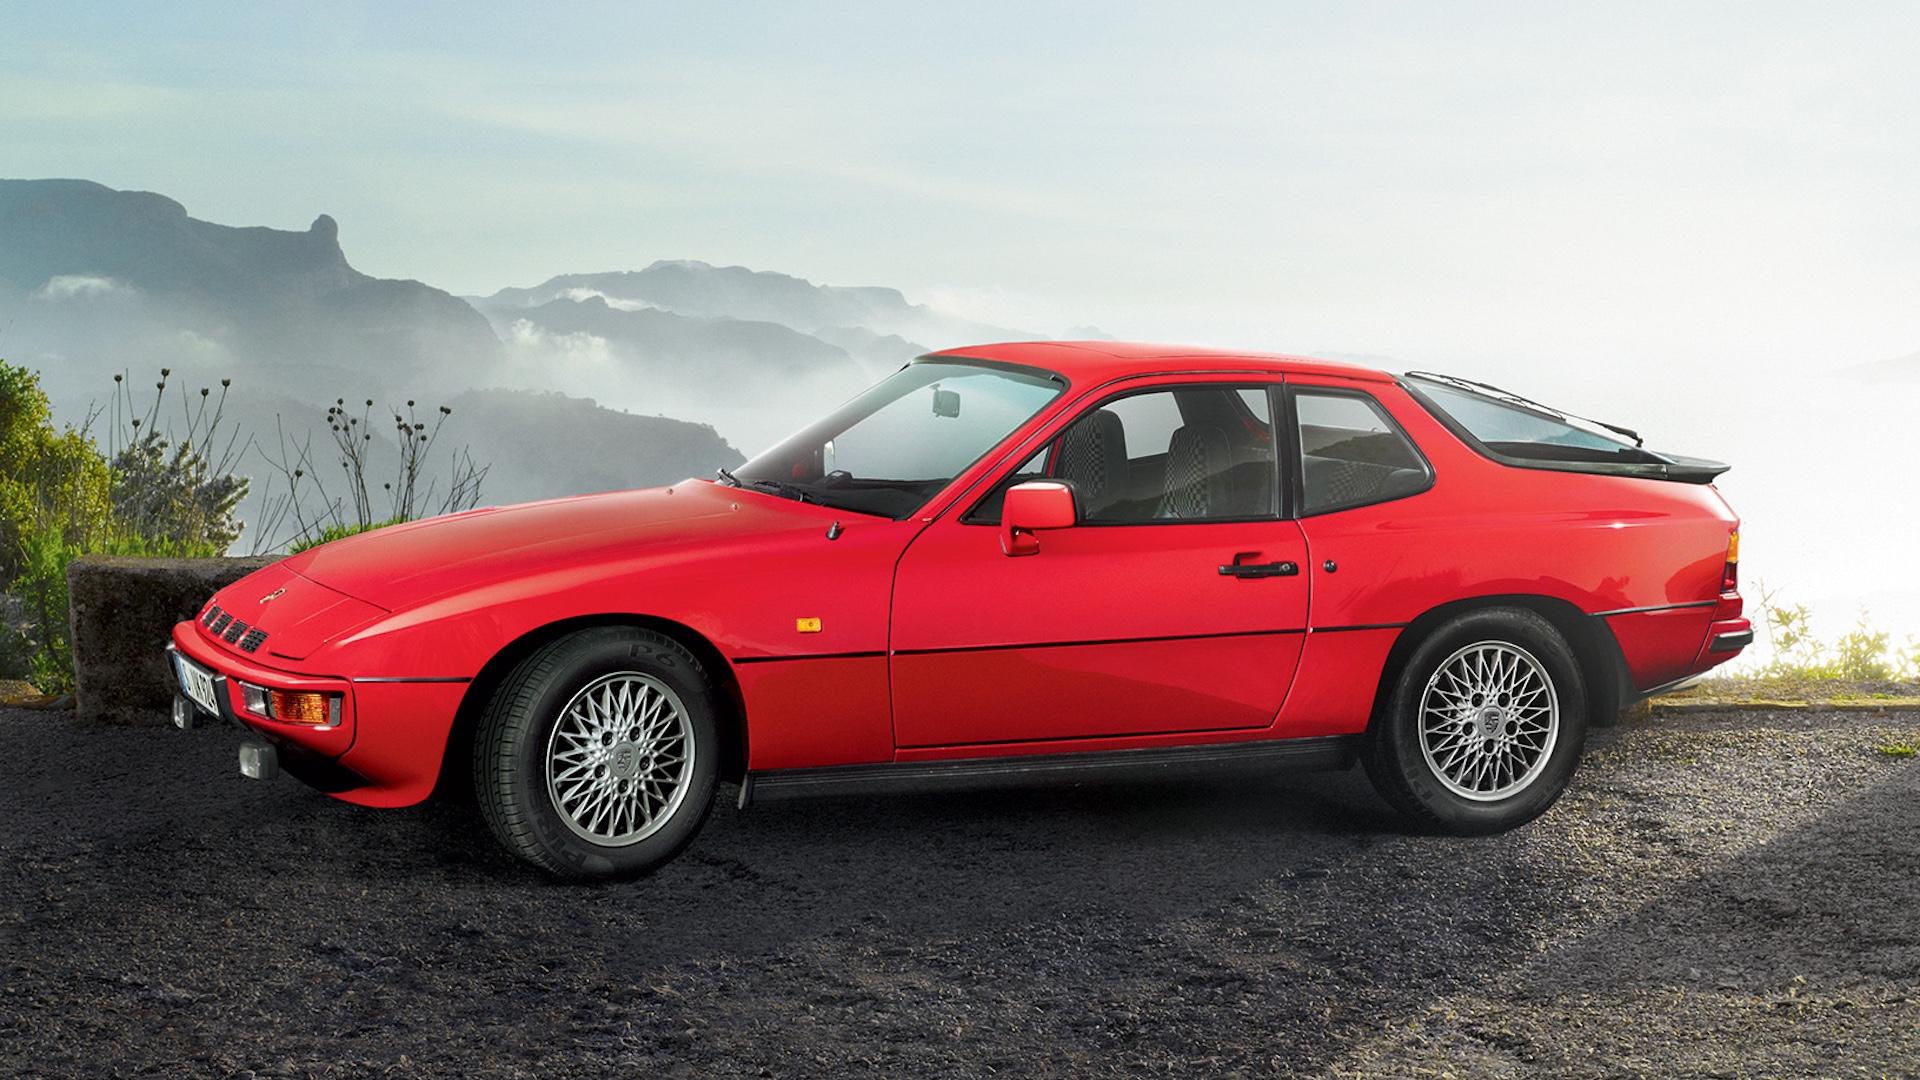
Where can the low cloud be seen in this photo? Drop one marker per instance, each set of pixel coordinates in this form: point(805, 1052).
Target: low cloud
point(570, 352)
point(81, 286)
point(581, 293)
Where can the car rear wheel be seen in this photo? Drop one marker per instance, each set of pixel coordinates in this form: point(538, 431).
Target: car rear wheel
point(597, 755)
point(1483, 725)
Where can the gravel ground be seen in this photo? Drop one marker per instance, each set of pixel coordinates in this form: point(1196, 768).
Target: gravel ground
point(1718, 896)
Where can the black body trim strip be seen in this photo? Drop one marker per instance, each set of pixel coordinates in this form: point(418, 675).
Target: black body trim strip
point(1359, 626)
point(414, 679)
point(1655, 607)
point(1731, 641)
point(959, 774)
point(809, 656)
point(1044, 645)
point(1099, 641)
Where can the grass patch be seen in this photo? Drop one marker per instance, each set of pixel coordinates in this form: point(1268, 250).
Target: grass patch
point(1898, 749)
point(1786, 686)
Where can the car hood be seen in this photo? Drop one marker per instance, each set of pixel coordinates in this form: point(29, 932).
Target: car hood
point(401, 566)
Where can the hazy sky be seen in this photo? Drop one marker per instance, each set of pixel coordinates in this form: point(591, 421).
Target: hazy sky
point(1653, 184)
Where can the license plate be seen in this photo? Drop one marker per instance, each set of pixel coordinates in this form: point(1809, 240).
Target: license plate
point(197, 683)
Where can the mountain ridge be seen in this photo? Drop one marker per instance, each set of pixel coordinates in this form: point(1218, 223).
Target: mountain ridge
point(96, 280)
point(702, 289)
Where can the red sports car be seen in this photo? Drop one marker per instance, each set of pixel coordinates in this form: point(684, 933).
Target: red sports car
point(1011, 561)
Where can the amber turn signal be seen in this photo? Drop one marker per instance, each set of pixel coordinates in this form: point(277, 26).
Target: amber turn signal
point(305, 707)
point(1730, 577)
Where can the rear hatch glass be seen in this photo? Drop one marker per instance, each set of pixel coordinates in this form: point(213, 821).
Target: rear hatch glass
point(1519, 431)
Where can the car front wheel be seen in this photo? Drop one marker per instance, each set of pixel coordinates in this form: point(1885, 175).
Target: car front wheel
point(597, 755)
point(1483, 726)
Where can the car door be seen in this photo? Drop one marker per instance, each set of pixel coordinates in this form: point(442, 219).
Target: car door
point(1175, 604)
point(1376, 557)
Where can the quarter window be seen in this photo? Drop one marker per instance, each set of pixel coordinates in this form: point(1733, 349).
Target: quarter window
point(1352, 453)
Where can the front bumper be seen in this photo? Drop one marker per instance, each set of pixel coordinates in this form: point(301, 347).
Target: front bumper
point(230, 670)
point(387, 749)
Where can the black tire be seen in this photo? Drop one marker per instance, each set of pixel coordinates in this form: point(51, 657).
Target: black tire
point(511, 745)
point(1399, 766)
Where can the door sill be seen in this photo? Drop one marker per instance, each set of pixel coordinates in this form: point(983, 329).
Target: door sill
point(1268, 756)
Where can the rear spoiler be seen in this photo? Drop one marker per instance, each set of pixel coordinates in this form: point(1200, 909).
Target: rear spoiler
point(1693, 470)
point(1682, 470)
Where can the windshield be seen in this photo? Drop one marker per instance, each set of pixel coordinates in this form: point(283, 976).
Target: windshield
point(898, 444)
point(1520, 428)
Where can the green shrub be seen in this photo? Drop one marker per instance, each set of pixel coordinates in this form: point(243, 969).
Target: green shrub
point(1862, 654)
point(50, 477)
point(307, 512)
point(176, 484)
point(340, 532)
point(60, 498)
point(38, 647)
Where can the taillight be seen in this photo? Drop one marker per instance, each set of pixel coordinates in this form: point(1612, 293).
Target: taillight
point(1730, 578)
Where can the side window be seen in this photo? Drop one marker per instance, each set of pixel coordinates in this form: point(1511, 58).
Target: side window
point(1196, 453)
point(1352, 453)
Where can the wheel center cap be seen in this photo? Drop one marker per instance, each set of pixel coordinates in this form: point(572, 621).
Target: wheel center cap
point(1491, 720)
point(624, 762)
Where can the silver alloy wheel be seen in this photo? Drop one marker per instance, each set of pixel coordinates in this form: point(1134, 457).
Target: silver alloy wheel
point(620, 759)
point(1489, 719)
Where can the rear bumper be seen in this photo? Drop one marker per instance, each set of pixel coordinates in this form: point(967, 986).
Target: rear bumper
point(1729, 637)
point(387, 748)
point(1665, 645)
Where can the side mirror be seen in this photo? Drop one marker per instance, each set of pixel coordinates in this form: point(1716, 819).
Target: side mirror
point(1030, 507)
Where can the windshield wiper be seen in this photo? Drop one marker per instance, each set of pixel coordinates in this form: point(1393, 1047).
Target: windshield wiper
point(786, 490)
point(774, 487)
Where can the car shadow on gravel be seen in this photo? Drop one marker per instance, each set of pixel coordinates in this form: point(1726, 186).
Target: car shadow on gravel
point(173, 916)
point(1798, 957)
point(1145, 849)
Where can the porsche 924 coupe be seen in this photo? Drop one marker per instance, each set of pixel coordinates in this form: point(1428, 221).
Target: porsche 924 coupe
point(1064, 560)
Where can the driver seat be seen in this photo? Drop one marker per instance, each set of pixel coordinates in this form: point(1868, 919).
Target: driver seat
point(1093, 458)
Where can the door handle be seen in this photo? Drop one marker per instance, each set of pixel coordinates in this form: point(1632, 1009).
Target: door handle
point(1240, 568)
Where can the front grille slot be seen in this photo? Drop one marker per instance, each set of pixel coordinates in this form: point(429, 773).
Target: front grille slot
point(219, 624)
point(213, 613)
point(234, 631)
point(255, 638)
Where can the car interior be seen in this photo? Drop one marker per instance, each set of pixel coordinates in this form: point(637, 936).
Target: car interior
point(1208, 454)
point(1342, 467)
point(1194, 453)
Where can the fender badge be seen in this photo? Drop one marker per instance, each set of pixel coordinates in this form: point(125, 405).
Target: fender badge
point(807, 626)
point(274, 595)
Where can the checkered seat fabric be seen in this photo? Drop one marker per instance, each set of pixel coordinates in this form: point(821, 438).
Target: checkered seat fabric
point(1093, 456)
point(1197, 463)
